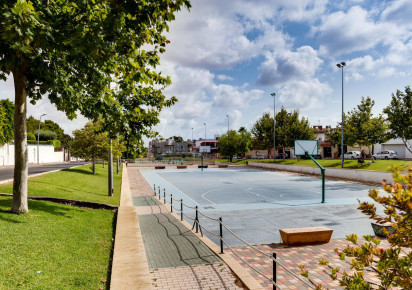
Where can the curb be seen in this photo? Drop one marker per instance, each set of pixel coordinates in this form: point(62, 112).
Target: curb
point(130, 269)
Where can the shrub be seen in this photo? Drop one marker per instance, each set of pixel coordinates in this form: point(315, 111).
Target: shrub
point(30, 136)
point(57, 144)
point(49, 142)
point(46, 135)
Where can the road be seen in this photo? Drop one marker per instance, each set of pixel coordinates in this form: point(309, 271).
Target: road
point(7, 172)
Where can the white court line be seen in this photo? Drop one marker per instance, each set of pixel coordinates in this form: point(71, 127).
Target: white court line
point(254, 193)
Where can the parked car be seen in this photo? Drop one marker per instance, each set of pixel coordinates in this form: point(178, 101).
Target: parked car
point(385, 154)
point(258, 156)
point(352, 155)
point(280, 156)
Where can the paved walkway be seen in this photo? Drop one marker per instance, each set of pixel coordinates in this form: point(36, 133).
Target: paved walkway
point(177, 258)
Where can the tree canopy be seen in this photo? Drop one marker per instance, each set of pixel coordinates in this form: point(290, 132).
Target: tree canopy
point(6, 121)
point(262, 132)
point(73, 51)
point(230, 144)
point(399, 114)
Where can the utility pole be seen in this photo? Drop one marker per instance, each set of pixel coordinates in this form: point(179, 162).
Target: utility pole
point(110, 168)
point(274, 127)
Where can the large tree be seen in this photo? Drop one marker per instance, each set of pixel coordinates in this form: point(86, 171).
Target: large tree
point(262, 132)
point(6, 121)
point(90, 143)
point(245, 141)
point(399, 114)
point(72, 51)
point(363, 128)
point(229, 144)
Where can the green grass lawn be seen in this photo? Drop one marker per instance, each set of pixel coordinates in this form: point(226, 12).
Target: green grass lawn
point(379, 165)
point(77, 183)
point(54, 246)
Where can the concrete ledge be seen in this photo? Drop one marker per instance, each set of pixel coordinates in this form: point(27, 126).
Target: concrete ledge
point(364, 176)
point(305, 236)
point(247, 279)
point(130, 269)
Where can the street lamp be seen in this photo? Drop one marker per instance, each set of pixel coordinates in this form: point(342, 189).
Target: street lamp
point(205, 130)
point(341, 65)
point(38, 139)
point(192, 135)
point(227, 123)
point(274, 126)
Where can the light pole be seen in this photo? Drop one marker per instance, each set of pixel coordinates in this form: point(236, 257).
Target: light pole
point(192, 135)
point(341, 65)
point(205, 130)
point(274, 126)
point(38, 139)
point(227, 123)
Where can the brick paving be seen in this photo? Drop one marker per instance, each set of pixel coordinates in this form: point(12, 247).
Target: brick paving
point(177, 258)
point(292, 257)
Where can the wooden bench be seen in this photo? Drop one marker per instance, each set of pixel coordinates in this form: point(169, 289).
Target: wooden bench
point(160, 167)
point(181, 166)
point(304, 236)
point(222, 166)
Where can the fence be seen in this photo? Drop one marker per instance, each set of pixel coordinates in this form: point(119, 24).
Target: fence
point(198, 227)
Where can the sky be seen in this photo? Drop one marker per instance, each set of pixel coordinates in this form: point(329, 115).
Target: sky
point(225, 58)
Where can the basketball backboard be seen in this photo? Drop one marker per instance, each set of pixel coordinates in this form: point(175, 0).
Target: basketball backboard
point(306, 146)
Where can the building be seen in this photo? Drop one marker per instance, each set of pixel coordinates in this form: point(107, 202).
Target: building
point(168, 146)
point(208, 146)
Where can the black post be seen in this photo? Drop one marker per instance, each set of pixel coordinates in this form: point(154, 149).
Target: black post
point(159, 191)
point(221, 235)
point(274, 270)
point(164, 195)
point(154, 188)
point(181, 209)
point(197, 220)
point(171, 202)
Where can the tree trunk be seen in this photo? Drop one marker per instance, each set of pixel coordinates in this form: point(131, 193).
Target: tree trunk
point(94, 166)
point(103, 163)
point(19, 204)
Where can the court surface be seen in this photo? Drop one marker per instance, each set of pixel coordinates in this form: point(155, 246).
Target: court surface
point(255, 204)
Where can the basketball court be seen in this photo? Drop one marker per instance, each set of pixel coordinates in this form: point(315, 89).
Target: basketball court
point(255, 204)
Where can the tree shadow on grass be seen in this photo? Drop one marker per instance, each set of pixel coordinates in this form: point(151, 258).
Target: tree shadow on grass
point(81, 171)
point(35, 206)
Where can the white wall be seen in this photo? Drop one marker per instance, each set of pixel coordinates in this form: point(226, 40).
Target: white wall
point(46, 154)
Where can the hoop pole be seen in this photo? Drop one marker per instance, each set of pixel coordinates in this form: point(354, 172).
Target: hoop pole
point(322, 171)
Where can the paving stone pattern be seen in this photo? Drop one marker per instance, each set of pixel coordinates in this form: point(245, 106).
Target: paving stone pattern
point(145, 201)
point(168, 243)
point(292, 257)
point(177, 258)
point(215, 276)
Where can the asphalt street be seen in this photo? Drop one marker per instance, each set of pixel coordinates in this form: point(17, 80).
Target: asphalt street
point(7, 172)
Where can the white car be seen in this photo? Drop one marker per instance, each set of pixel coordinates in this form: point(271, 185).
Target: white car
point(352, 155)
point(385, 154)
point(258, 156)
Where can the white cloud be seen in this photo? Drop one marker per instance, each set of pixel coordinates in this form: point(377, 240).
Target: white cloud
point(356, 30)
point(224, 78)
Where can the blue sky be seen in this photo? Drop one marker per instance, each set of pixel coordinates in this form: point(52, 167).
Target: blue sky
point(227, 57)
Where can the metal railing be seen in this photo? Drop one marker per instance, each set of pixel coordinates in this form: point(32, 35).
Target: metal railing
point(198, 227)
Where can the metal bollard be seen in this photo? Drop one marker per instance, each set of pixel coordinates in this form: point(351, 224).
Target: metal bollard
point(221, 235)
point(274, 270)
point(154, 188)
point(197, 220)
point(181, 209)
point(171, 202)
point(159, 190)
point(164, 195)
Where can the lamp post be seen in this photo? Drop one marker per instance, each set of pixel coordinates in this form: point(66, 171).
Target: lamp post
point(205, 130)
point(341, 65)
point(38, 139)
point(192, 134)
point(274, 126)
point(227, 123)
